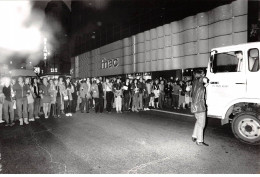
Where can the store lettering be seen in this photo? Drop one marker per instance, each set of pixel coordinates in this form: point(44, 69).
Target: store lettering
point(109, 63)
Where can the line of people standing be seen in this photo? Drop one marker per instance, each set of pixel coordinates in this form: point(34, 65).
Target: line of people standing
point(32, 97)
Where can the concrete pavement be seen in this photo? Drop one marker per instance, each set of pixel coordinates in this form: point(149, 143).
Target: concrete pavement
point(144, 142)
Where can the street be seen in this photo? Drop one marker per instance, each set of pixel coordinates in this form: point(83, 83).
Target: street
point(149, 142)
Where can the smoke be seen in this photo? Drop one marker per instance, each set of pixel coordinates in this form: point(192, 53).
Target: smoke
point(21, 31)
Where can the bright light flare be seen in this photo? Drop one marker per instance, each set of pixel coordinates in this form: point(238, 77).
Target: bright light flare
point(18, 33)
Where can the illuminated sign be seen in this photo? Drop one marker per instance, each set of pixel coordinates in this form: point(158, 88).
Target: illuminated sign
point(109, 63)
point(45, 50)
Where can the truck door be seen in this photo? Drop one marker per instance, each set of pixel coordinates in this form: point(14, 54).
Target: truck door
point(227, 81)
point(253, 74)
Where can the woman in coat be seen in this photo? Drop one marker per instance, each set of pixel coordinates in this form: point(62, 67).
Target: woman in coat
point(95, 94)
point(45, 96)
point(67, 95)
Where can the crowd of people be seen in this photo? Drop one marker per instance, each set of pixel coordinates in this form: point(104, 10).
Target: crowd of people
point(26, 99)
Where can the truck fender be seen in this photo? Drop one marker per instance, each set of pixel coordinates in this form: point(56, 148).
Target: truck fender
point(229, 108)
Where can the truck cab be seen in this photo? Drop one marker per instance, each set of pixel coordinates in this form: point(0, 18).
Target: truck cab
point(233, 93)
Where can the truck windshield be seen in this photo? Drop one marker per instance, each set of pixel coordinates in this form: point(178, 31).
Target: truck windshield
point(226, 62)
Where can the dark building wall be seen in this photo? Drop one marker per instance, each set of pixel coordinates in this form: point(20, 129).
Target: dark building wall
point(253, 21)
point(94, 27)
point(58, 22)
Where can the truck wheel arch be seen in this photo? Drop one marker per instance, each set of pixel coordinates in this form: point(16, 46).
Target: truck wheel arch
point(228, 109)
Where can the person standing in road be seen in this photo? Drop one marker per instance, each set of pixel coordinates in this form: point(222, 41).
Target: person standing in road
point(100, 107)
point(109, 95)
point(126, 95)
point(21, 90)
point(1, 103)
point(74, 96)
point(68, 97)
point(198, 106)
point(117, 88)
point(175, 95)
point(141, 86)
point(95, 94)
point(8, 103)
point(37, 99)
point(30, 99)
point(58, 99)
point(168, 92)
point(162, 94)
point(45, 95)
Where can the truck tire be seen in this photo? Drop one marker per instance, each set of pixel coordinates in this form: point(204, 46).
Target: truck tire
point(246, 127)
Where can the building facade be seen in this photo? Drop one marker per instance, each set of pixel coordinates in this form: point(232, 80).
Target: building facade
point(57, 23)
point(175, 47)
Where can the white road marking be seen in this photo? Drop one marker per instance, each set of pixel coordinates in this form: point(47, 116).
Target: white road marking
point(169, 112)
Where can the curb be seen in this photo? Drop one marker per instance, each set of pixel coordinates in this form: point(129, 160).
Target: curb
point(176, 113)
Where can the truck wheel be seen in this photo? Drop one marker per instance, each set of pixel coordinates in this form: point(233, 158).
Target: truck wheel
point(246, 127)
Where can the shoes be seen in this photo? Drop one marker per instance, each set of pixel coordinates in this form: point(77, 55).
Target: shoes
point(70, 114)
point(1, 121)
point(194, 139)
point(26, 121)
point(201, 144)
point(37, 117)
point(7, 125)
point(46, 117)
point(31, 120)
point(21, 121)
point(58, 116)
point(67, 115)
point(12, 124)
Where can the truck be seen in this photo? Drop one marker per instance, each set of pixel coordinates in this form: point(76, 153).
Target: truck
point(233, 91)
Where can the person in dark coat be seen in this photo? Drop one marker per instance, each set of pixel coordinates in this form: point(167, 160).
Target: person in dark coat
point(198, 106)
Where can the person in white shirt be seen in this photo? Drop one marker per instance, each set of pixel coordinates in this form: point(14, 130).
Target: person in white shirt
point(109, 95)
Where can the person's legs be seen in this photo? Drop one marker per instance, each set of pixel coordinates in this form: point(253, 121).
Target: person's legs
point(116, 102)
point(36, 107)
point(120, 104)
point(82, 105)
point(54, 110)
point(199, 126)
point(101, 104)
point(6, 113)
point(25, 110)
point(87, 104)
point(69, 107)
point(140, 101)
point(66, 107)
point(49, 109)
point(97, 104)
point(58, 107)
point(78, 103)
point(1, 113)
point(109, 101)
point(45, 110)
point(30, 110)
point(74, 103)
point(11, 111)
point(19, 110)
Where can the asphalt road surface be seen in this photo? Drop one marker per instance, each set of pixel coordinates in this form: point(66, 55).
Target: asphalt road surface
point(144, 143)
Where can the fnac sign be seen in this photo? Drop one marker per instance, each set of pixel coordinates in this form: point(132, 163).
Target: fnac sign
point(109, 63)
